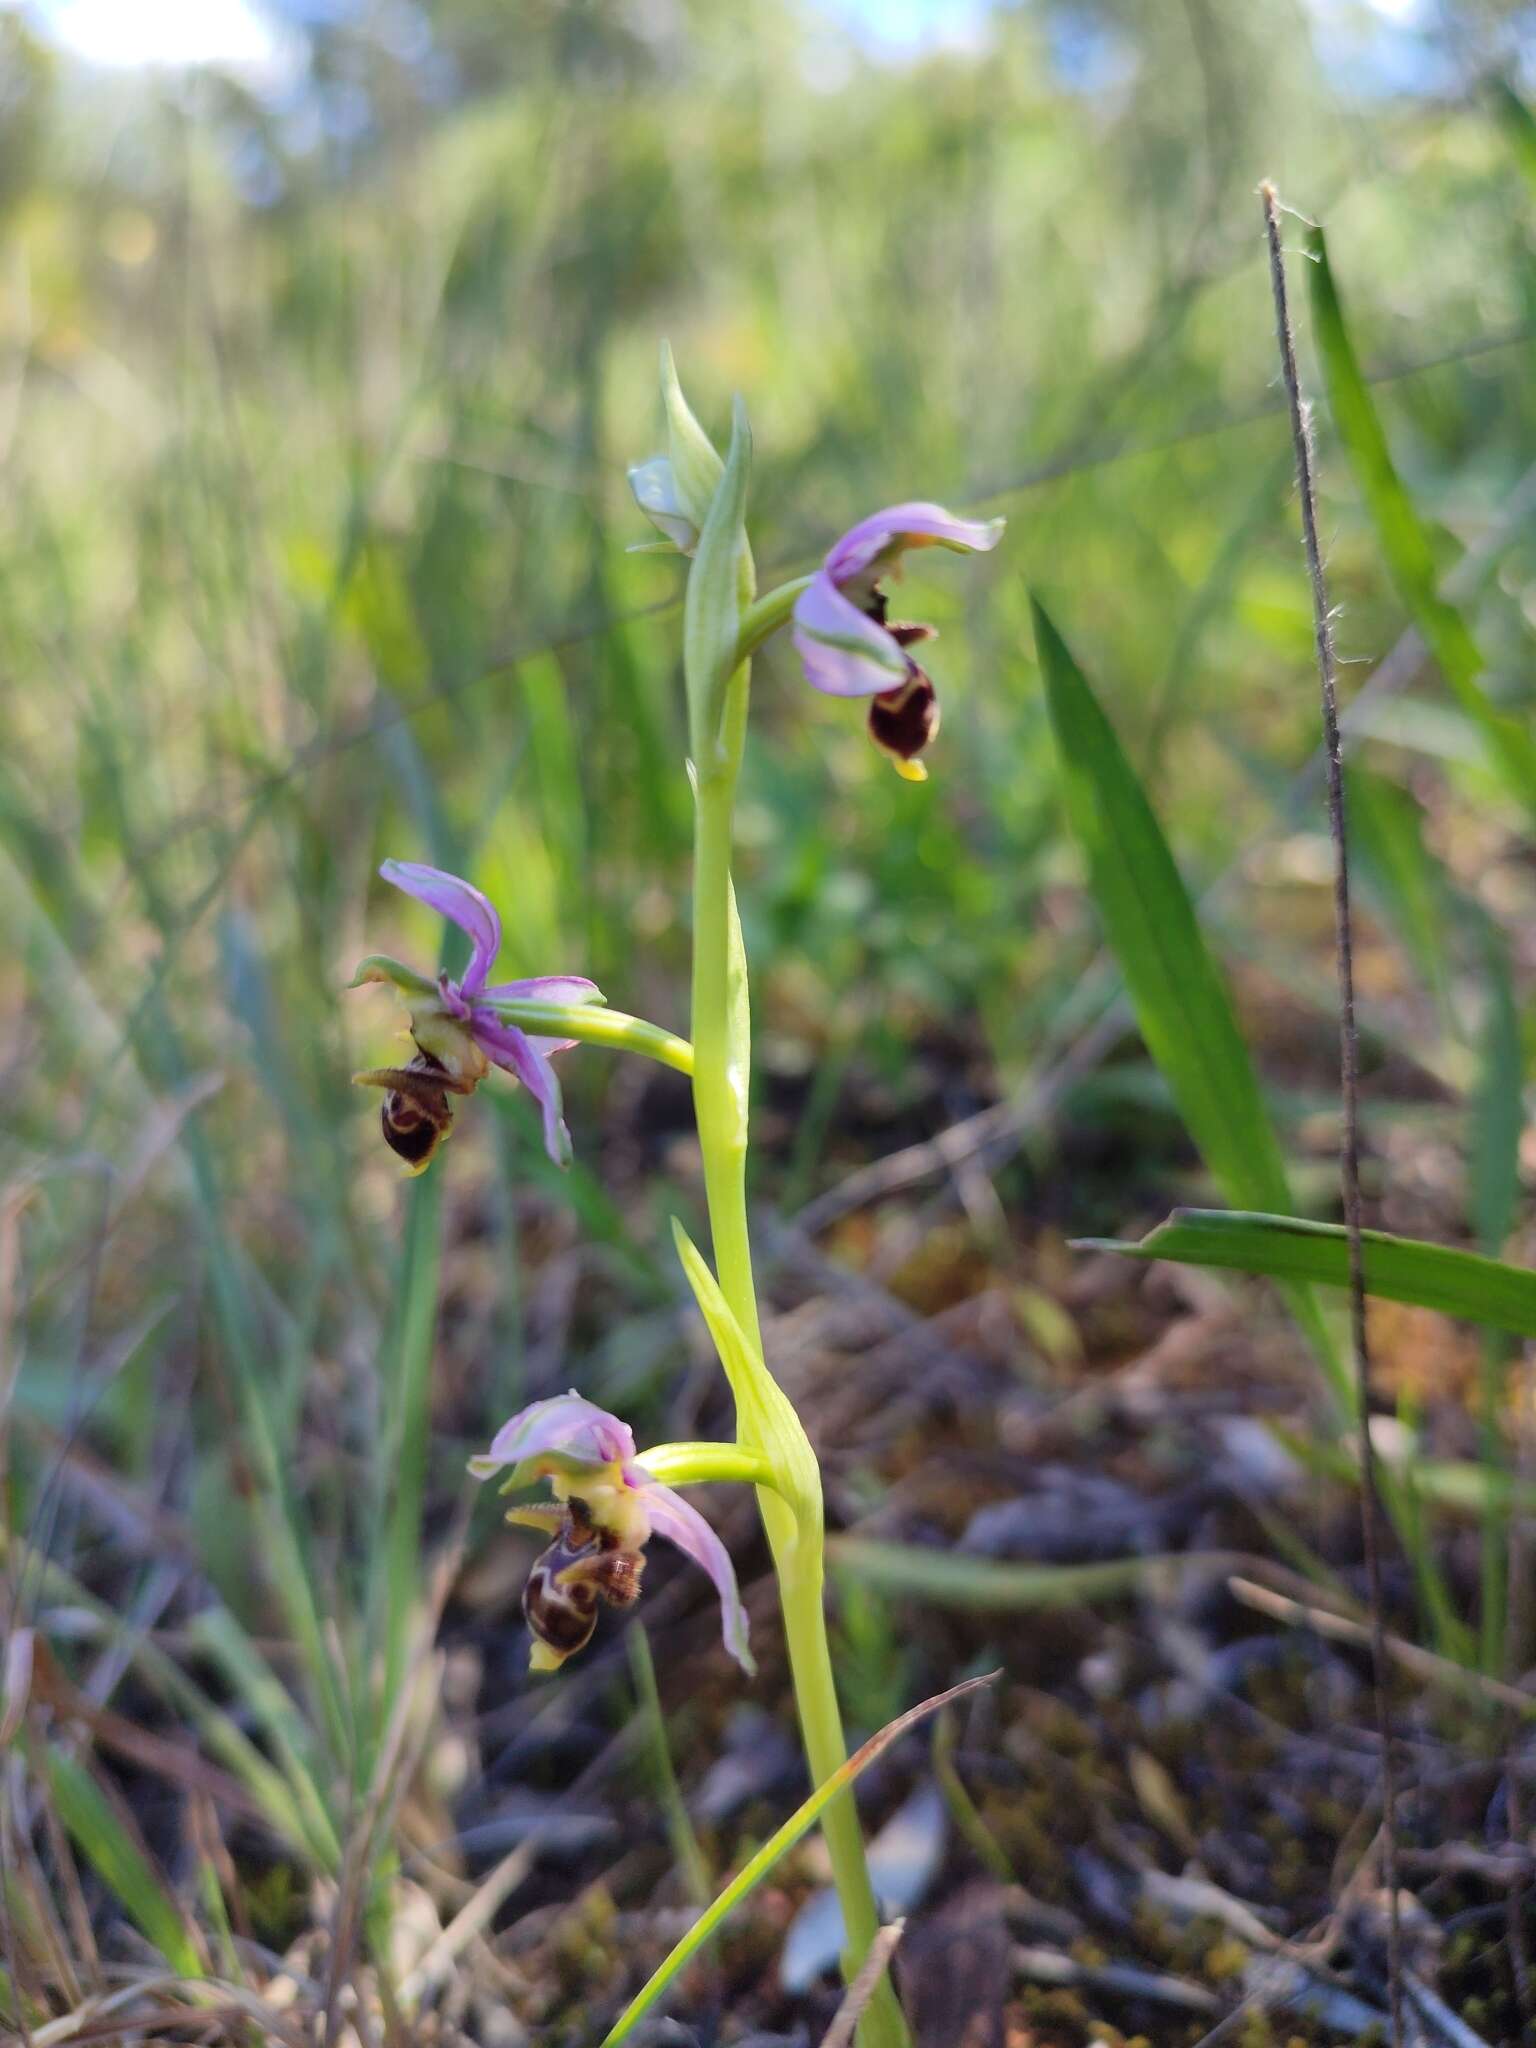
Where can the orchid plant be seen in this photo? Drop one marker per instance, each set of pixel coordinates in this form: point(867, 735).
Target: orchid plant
point(608, 1499)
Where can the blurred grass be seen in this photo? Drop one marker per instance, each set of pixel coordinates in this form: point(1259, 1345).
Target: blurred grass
point(313, 550)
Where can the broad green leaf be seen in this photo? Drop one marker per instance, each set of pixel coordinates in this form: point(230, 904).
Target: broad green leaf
point(1180, 999)
point(949, 1578)
point(96, 1829)
point(1437, 1276)
point(778, 1844)
point(1402, 534)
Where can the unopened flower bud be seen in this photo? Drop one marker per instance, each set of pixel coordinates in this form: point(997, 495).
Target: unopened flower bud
point(654, 484)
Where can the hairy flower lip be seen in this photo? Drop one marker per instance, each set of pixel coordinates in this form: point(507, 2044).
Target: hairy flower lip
point(589, 1455)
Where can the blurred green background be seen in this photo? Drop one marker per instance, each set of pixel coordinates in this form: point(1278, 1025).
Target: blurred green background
point(319, 376)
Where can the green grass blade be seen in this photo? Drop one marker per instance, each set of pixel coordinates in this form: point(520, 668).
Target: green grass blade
point(1181, 1002)
point(1494, 1173)
point(107, 1844)
point(1519, 125)
point(225, 1739)
point(949, 1578)
point(1402, 534)
point(1386, 828)
point(415, 1330)
point(1498, 1115)
point(680, 1829)
point(293, 1740)
point(1436, 1276)
point(757, 1867)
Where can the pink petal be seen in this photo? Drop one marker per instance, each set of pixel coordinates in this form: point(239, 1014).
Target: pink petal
point(843, 653)
point(521, 1056)
point(671, 1516)
point(568, 1423)
point(913, 525)
point(544, 988)
point(461, 903)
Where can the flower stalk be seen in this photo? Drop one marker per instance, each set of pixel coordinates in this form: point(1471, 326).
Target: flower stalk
point(721, 1027)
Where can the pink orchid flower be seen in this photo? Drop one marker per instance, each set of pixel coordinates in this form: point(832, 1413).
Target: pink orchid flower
point(850, 648)
point(458, 1032)
point(606, 1508)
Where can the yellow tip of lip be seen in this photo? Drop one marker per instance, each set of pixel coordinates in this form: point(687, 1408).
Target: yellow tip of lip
point(911, 771)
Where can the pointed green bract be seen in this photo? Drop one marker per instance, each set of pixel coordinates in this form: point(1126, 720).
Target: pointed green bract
point(696, 463)
point(712, 609)
point(766, 1420)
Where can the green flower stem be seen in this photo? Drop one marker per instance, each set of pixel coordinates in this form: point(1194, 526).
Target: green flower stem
point(700, 1464)
point(596, 1024)
point(722, 1057)
point(765, 617)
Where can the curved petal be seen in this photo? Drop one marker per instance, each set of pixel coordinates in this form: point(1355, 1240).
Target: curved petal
point(843, 653)
point(460, 902)
point(671, 1516)
point(544, 988)
point(567, 1423)
point(523, 1058)
point(915, 524)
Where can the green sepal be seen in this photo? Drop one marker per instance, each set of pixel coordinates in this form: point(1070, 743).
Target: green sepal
point(379, 967)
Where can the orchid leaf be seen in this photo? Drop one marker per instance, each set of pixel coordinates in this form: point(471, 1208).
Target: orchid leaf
point(1176, 989)
point(752, 1873)
point(1437, 1276)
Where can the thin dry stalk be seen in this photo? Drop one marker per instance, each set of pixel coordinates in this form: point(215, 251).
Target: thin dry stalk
point(862, 1989)
point(1349, 1066)
point(1424, 1664)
